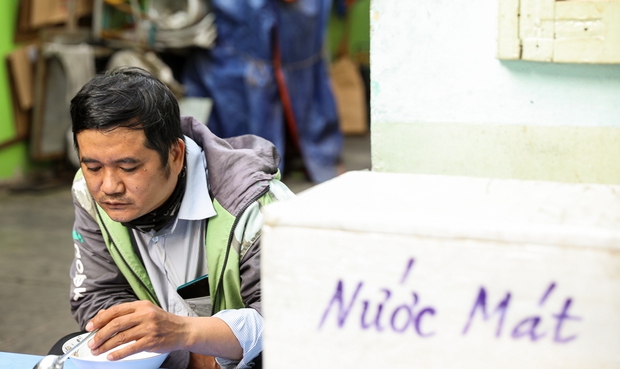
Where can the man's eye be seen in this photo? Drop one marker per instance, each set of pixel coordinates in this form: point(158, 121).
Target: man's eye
point(93, 169)
point(128, 169)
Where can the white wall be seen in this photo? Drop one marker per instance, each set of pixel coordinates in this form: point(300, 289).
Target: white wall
point(442, 103)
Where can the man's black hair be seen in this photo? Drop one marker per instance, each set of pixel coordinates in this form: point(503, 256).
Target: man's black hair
point(129, 97)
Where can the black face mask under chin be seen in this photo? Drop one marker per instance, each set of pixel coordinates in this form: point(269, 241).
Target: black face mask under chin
point(158, 218)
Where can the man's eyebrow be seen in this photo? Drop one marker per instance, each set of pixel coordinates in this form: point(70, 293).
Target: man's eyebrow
point(127, 161)
point(88, 160)
point(119, 161)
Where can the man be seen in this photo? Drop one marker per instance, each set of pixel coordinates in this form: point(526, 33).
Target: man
point(167, 229)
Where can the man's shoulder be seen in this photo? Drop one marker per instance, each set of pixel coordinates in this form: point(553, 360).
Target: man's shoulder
point(79, 191)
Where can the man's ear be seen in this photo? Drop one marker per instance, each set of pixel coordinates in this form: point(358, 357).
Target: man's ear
point(177, 156)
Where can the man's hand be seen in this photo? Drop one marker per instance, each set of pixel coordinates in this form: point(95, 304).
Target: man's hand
point(156, 330)
point(152, 328)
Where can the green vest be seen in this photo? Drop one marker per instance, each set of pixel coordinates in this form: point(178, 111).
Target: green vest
point(222, 260)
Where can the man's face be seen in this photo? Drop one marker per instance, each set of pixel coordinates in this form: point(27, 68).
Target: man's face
point(124, 177)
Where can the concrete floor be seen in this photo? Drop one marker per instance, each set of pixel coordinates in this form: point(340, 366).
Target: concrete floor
point(36, 251)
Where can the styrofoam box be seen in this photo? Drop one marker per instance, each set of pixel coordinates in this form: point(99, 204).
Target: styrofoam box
point(383, 270)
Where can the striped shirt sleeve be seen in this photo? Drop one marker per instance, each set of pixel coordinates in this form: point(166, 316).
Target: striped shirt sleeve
point(247, 326)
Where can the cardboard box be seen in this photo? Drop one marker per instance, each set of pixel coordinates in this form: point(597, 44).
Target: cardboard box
point(349, 93)
point(35, 14)
point(21, 64)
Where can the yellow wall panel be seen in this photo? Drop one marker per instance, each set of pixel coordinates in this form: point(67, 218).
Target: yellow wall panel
point(563, 154)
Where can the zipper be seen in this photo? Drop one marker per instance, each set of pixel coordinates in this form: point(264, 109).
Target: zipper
point(229, 246)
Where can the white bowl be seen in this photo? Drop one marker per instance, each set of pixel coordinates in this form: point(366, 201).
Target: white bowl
point(84, 359)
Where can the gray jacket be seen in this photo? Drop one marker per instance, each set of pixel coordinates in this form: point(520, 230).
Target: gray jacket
point(242, 174)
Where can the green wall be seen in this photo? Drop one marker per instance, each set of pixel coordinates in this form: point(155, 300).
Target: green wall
point(359, 31)
point(13, 159)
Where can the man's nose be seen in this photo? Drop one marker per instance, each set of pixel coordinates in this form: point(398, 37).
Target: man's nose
point(112, 183)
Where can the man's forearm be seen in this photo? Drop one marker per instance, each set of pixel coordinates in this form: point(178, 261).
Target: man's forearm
point(212, 336)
